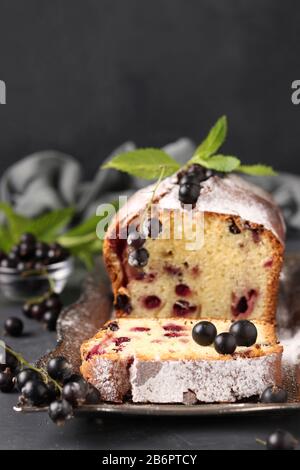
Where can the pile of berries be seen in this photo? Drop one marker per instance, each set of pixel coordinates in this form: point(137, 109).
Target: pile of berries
point(46, 310)
point(242, 333)
point(189, 183)
point(57, 387)
point(31, 254)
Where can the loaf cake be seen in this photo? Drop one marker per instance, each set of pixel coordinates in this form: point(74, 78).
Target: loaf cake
point(234, 274)
point(157, 361)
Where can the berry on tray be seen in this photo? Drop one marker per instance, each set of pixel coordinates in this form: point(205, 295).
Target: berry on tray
point(25, 376)
point(60, 411)
point(281, 440)
point(6, 382)
point(36, 392)
point(59, 368)
point(274, 394)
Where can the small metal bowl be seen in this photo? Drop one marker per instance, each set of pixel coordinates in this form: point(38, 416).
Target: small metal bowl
point(24, 286)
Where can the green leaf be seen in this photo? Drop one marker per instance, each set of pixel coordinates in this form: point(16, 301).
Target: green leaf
point(144, 163)
point(213, 141)
point(257, 170)
point(16, 223)
point(47, 226)
point(222, 163)
point(6, 241)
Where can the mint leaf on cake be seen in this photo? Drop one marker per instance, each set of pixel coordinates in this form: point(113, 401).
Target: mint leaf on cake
point(146, 163)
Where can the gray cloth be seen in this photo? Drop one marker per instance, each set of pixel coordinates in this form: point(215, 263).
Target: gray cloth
point(50, 179)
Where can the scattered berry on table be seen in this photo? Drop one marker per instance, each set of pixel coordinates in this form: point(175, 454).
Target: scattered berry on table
point(13, 326)
point(204, 333)
point(6, 381)
point(274, 394)
point(281, 440)
point(60, 411)
point(225, 343)
point(59, 368)
point(37, 311)
point(245, 333)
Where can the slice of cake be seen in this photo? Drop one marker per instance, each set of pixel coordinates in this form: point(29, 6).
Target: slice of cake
point(158, 361)
point(232, 274)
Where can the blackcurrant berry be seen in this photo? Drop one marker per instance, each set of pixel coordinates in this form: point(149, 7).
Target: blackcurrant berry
point(189, 193)
point(25, 376)
point(138, 258)
point(36, 392)
point(8, 263)
point(53, 302)
point(190, 178)
point(123, 303)
point(53, 392)
point(26, 250)
point(60, 411)
point(59, 368)
point(8, 360)
point(201, 172)
point(274, 394)
point(26, 309)
point(204, 333)
point(152, 227)
point(13, 326)
point(41, 251)
point(225, 343)
point(28, 238)
point(93, 396)
point(6, 381)
point(245, 333)
point(37, 311)
point(136, 240)
point(50, 320)
point(75, 392)
point(281, 440)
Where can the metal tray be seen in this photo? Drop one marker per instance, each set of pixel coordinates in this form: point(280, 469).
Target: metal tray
point(81, 320)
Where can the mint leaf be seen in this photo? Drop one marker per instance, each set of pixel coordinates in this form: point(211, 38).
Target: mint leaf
point(6, 241)
point(222, 163)
point(16, 224)
point(144, 163)
point(257, 170)
point(47, 226)
point(213, 141)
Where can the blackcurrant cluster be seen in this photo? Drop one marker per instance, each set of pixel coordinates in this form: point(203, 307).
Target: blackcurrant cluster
point(241, 333)
point(30, 254)
point(189, 183)
point(57, 387)
point(46, 310)
point(138, 255)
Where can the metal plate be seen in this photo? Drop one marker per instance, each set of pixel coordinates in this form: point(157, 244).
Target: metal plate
point(82, 320)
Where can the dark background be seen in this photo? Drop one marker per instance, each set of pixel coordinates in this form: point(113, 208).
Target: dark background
point(83, 76)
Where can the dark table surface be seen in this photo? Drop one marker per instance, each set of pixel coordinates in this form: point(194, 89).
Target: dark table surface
point(36, 431)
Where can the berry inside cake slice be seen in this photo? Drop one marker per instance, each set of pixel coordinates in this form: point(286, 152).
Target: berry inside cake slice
point(165, 361)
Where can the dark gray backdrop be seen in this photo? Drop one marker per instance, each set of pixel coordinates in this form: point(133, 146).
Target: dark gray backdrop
point(84, 75)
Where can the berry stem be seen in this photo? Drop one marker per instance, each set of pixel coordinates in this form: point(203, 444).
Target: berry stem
point(261, 442)
point(46, 377)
